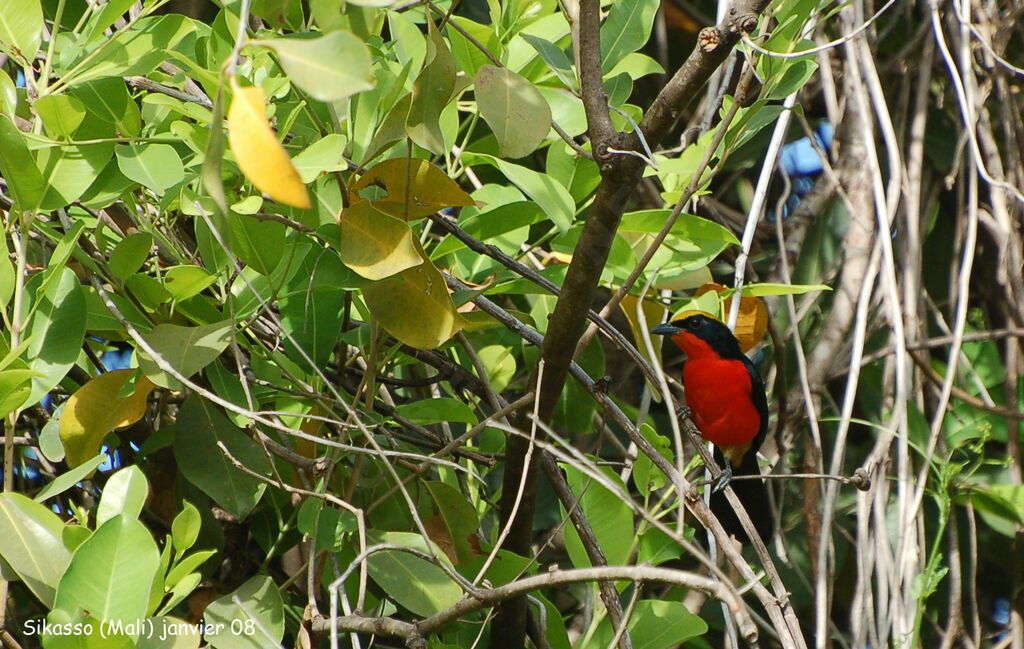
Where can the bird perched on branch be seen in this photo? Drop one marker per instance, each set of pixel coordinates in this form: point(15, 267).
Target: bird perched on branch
point(725, 393)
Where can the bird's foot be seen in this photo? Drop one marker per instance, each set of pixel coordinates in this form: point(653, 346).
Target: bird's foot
point(721, 481)
point(684, 412)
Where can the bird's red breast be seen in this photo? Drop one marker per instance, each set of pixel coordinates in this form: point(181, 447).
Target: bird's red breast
point(718, 394)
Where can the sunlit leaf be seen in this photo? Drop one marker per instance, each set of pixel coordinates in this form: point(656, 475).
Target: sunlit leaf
point(260, 156)
point(57, 328)
point(313, 64)
point(61, 114)
point(182, 282)
point(21, 27)
point(430, 94)
point(374, 244)
point(95, 410)
point(186, 349)
point(415, 188)
point(111, 572)
point(414, 306)
point(18, 166)
point(30, 543)
point(154, 166)
point(258, 601)
point(466, 53)
point(416, 584)
point(626, 29)
point(516, 112)
point(551, 196)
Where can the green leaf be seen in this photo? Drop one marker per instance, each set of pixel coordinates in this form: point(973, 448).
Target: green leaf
point(792, 79)
point(185, 527)
point(413, 583)
point(200, 428)
point(125, 493)
point(636, 65)
point(500, 363)
point(187, 349)
point(183, 282)
point(374, 244)
point(410, 45)
point(137, 51)
point(312, 63)
point(430, 94)
point(21, 26)
point(15, 386)
point(656, 547)
point(687, 226)
point(103, 19)
point(187, 565)
point(129, 255)
point(655, 624)
point(8, 275)
point(8, 96)
point(71, 170)
point(257, 243)
point(490, 225)
point(555, 58)
point(609, 516)
point(516, 112)
point(459, 517)
point(30, 543)
point(260, 608)
point(111, 572)
point(179, 592)
point(18, 167)
point(434, 411)
point(580, 175)
point(391, 130)
point(325, 155)
point(1001, 505)
point(70, 478)
point(552, 197)
point(56, 332)
point(210, 175)
point(627, 29)
point(312, 314)
point(761, 290)
point(62, 114)
point(647, 477)
point(469, 58)
point(332, 527)
point(154, 166)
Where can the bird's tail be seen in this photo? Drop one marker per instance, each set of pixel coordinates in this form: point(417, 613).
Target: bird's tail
point(754, 496)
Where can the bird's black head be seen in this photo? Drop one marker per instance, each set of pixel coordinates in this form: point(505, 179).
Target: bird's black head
point(706, 328)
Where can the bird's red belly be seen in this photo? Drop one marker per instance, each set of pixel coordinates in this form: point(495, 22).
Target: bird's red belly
point(718, 395)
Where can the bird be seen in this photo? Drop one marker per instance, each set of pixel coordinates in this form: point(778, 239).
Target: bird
point(726, 396)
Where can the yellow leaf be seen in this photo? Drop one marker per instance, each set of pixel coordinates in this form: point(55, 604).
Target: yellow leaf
point(752, 324)
point(95, 410)
point(415, 188)
point(415, 306)
point(260, 156)
point(374, 244)
point(654, 313)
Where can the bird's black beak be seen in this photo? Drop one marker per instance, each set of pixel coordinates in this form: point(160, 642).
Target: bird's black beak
point(665, 329)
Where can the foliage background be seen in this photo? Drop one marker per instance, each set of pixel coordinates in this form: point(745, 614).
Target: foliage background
point(294, 292)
